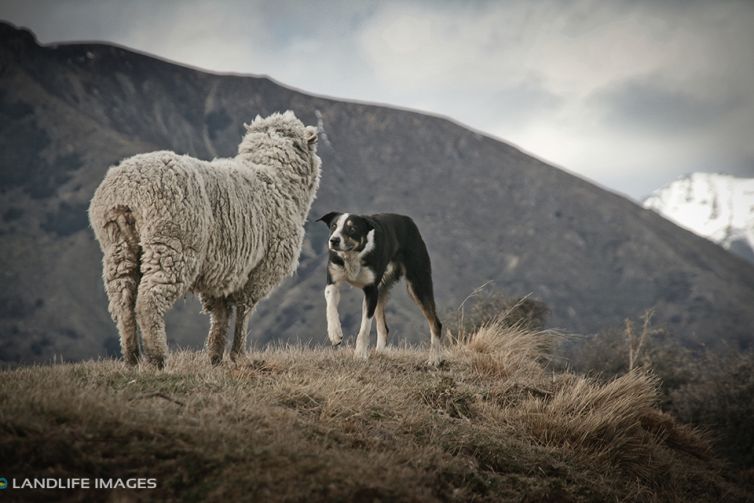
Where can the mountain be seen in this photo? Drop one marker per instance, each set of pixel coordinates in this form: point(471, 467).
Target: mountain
point(717, 207)
point(486, 210)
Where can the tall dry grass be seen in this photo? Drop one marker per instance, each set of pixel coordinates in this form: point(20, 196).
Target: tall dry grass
point(495, 423)
point(712, 389)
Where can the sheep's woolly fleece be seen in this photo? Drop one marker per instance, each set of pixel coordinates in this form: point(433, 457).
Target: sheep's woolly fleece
point(229, 230)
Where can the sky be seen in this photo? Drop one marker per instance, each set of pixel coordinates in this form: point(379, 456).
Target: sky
point(630, 95)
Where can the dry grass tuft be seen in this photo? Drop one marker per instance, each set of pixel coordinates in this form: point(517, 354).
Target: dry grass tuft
point(495, 423)
point(601, 421)
point(709, 388)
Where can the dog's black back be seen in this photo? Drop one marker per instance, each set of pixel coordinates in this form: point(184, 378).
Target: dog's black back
point(402, 247)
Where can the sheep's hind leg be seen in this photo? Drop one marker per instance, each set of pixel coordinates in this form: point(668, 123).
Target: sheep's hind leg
point(162, 283)
point(219, 311)
point(121, 276)
point(121, 293)
point(243, 313)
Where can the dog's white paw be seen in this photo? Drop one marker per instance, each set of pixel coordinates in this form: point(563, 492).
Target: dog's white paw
point(435, 360)
point(336, 336)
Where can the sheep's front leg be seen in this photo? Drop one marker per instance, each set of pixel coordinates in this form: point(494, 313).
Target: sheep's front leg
point(219, 312)
point(243, 314)
point(262, 280)
point(156, 295)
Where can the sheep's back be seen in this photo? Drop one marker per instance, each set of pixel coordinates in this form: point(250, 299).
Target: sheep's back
point(238, 238)
point(215, 213)
point(164, 192)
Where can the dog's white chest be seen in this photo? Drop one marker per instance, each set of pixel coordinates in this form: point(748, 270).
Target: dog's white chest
point(352, 271)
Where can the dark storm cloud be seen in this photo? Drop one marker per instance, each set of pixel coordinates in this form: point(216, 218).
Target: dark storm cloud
point(646, 105)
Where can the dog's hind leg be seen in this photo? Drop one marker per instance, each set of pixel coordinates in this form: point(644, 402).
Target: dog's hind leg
point(382, 329)
point(379, 313)
point(420, 289)
point(391, 276)
point(367, 312)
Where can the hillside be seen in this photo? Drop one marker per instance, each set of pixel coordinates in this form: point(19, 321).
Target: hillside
point(295, 424)
point(487, 210)
point(717, 207)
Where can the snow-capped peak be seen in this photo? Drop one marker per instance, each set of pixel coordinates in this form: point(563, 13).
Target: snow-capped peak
point(717, 207)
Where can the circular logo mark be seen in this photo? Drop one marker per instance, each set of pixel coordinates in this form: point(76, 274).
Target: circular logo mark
point(3, 483)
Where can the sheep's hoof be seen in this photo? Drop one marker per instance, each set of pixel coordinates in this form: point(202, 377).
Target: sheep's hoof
point(361, 355)
point(337, 345)
point(157, 361)
point(131, 359)
point(216, 360)
point(238, 356)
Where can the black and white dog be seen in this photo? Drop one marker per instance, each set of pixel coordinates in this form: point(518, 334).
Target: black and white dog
point(372, 252)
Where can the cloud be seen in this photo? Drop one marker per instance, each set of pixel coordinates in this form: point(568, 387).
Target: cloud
point(643, 105)
point(629, 94)
point(605, 89)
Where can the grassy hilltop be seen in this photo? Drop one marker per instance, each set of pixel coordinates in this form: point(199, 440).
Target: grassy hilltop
point(494, 423)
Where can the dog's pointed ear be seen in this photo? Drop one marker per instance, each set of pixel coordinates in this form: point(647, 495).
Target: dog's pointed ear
point(328, 219)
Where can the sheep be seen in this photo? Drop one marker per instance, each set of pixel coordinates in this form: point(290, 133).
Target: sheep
point(229, 230)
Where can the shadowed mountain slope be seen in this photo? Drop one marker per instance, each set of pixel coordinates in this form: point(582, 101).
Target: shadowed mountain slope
point(487, 210)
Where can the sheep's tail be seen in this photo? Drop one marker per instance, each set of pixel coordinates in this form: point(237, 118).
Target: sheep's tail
point(121, 274)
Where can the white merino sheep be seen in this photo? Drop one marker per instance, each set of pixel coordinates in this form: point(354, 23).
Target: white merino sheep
point(229, 230)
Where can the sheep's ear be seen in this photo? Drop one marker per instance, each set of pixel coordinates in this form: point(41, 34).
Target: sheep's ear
point(251, 124)
point(328, 219)
point(311, 135)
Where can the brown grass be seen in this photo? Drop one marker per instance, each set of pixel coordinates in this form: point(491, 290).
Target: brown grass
point(711, 388)
point(494, 423)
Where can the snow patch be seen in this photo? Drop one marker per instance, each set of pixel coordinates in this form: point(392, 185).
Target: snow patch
point(717, 207)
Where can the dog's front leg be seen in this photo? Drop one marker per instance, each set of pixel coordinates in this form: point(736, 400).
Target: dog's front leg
point(367, 313)
point(334, 330)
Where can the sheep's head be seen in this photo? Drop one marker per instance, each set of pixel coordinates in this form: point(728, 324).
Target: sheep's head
point(285, 146)
point(288, 150)
point(279, 131)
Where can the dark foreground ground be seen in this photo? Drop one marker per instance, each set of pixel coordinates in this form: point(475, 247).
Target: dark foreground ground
point(494, 423)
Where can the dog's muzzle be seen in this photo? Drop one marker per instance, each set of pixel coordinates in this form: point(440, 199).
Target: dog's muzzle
point(340, 250)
